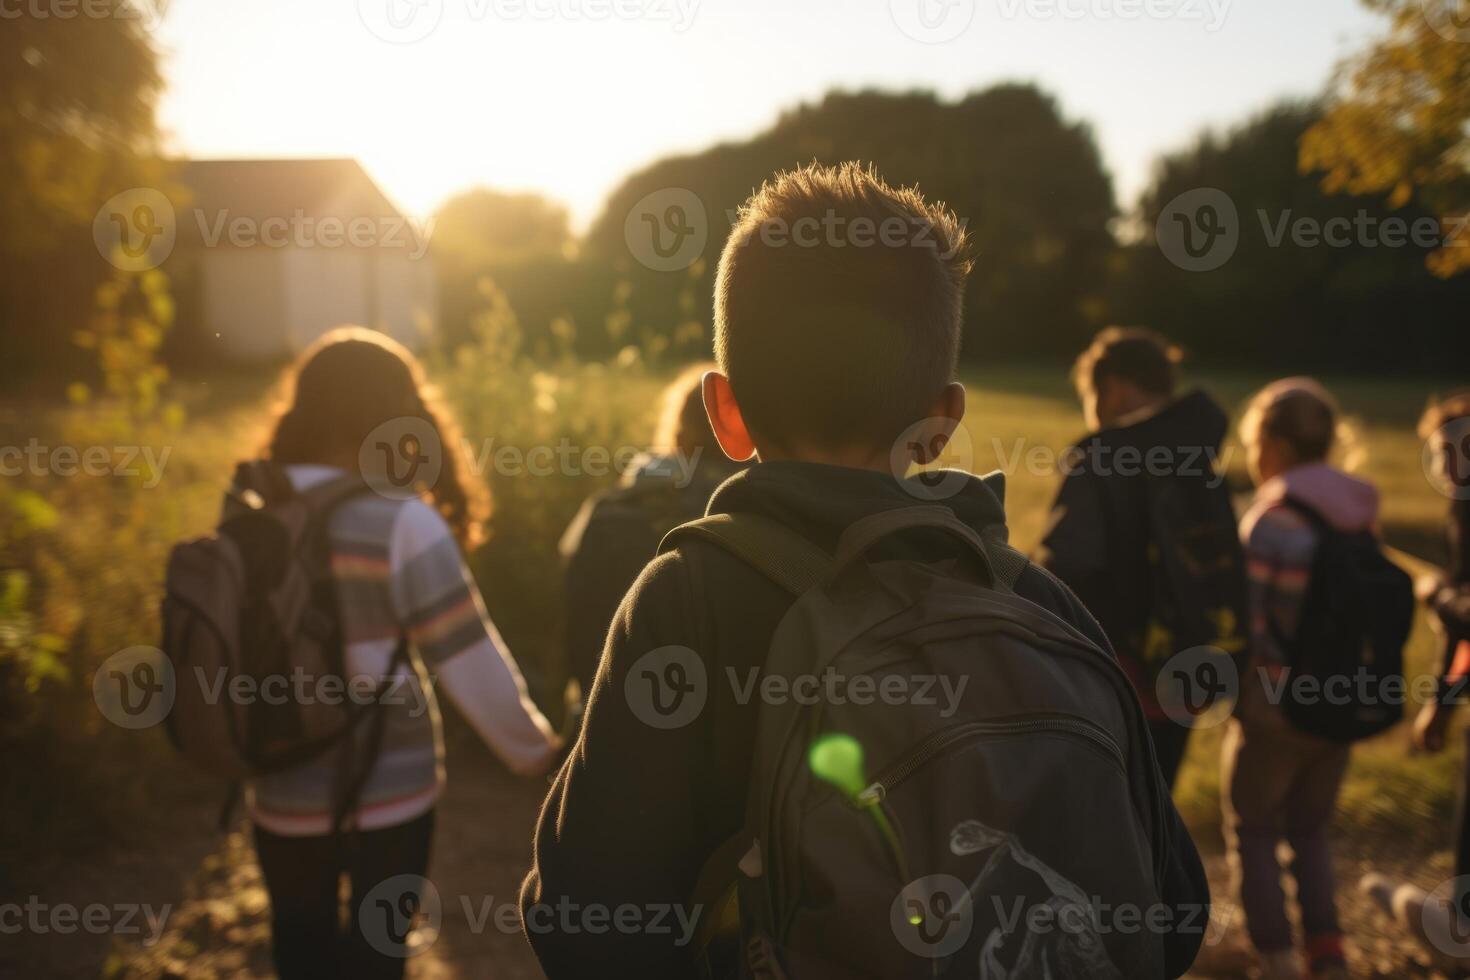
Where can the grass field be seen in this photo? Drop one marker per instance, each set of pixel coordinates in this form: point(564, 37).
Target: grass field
point(95, 568)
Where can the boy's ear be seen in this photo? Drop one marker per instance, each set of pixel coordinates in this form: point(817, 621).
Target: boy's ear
point(944, 417)
point(725, 418)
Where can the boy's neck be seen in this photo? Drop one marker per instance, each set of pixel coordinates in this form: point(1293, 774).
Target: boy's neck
point(855, 459)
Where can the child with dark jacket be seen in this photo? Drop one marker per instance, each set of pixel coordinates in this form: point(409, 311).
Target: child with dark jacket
point(1103, 537)
point(1445, 428)
point(826, 354)
point(616, 532)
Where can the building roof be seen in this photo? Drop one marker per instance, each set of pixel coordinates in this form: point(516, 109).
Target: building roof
point(221, 191)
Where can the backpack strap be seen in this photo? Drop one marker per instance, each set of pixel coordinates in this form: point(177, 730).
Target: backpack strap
point(771, 548)
point(1312, 515)
point(1006, 562)
point(324, 497)
point(354, 773)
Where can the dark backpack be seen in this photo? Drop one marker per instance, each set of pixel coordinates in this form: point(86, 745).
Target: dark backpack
point(256, 600)
point(622, 531)
point(1355, 619)
point(920, 837)
point(1197, 576)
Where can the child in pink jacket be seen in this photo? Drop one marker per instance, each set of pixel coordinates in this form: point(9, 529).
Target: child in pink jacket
point(1279, 783)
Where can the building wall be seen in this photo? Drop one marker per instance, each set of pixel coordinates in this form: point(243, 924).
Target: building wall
point(270, 303)
point(243, 299)
point(326, 288)
point(407, 297)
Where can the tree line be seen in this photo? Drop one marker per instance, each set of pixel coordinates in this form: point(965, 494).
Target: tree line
point(1335, 228)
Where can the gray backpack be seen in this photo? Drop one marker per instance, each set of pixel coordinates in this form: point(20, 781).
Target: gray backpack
point(256, 601)
point(992, 808)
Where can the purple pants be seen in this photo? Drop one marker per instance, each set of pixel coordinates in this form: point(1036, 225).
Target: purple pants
point(1279, 784)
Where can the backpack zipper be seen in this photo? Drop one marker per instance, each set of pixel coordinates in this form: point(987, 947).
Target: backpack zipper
point(937, 742)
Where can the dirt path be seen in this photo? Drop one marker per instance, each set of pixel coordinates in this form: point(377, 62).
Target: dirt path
point(217, 925)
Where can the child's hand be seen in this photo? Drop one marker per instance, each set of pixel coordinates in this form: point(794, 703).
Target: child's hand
point(1429, 728)
point(1425, 586)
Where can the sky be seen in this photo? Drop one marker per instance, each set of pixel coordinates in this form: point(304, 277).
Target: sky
point(566, 97)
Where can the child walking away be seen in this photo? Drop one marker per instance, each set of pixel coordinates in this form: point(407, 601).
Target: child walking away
point(1328, 613)
point(617, 532)
point(836, 732)
point(345, 608)
point(1442, 923)
point(1143, 530)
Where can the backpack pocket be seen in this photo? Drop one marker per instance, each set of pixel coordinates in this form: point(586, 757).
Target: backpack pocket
point(937, 866)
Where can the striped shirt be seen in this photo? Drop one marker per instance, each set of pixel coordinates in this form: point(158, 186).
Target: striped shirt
point(1280, 545)
point(399, 573)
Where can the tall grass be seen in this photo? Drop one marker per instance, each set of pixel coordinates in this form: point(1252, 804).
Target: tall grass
point(543, 433)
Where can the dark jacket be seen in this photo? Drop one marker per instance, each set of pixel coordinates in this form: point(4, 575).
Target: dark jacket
point(1450, 603)
point(1098, 536)
point(614, 535)
point(637, 810)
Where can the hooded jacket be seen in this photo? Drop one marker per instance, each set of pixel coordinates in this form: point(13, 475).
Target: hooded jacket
point(636, 810)
point(1098, 537)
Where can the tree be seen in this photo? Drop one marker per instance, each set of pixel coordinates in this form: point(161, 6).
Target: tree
point(1309, 280)
point(1398, 125)
point(1029, 184)
point(520, 243)
point(76, 126)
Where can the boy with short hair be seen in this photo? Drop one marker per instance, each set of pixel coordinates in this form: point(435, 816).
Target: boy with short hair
point(1142, 529)
point(829, 350)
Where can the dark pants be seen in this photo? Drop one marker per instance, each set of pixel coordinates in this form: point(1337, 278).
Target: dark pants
point(303, 875)
point(1170, 741)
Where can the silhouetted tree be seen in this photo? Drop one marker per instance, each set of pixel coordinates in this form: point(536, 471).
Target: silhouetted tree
point(1029, 184)
point(1297, 293)
point(520, 242)
point(76, 126)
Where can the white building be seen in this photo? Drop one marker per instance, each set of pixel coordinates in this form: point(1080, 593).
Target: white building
point(273, 253)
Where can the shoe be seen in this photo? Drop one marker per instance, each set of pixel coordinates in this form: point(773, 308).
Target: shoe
point(1326, 959)
point(1416, 912)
